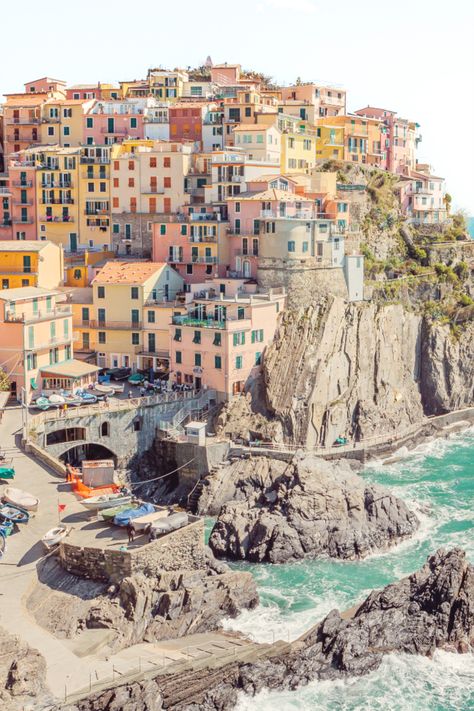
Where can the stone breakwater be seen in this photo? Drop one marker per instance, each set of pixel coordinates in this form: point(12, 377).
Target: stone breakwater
point(279, 512)
point(428, 610)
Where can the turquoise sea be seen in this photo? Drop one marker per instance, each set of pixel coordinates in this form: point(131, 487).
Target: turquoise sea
point(437, 480)
point(470, 226)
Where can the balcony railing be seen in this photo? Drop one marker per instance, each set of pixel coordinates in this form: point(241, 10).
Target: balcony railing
point(51, 342)
point(51, 119)
point(23, 202)
point(5, 223)
point(116, 325)
point(58, 312)
point(229, 323)
point(18, 270)
point(24, 121)
point(21, 221)
point(96, 211)
point(22, 183)
point(94, 176)
point(48, 166)
point(202, 239)
point(5, 191)
point(64, 184)
point(116, 130)
point(246, 252)
point(57, 201)
point(56, 218)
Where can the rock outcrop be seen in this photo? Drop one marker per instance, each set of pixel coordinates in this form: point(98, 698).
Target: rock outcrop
point(357, 370)
point(428, 610)
point(307, 508)
point(22, 673)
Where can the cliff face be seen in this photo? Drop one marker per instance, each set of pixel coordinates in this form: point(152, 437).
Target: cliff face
point(358, 370)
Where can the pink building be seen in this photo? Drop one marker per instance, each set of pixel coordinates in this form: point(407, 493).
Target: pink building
point(196, 245)
point(401, 139)
point(109, 122)
point(91, 91)
point(422, 197)
point(266, 197)
point(23, 216)
point(220, 342)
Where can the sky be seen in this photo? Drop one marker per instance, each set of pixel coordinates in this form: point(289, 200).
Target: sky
point(412, 56)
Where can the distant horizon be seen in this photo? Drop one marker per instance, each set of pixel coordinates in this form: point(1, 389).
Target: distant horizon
point(379, 61)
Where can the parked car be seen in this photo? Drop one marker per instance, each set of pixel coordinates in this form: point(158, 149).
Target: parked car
point(119, 373)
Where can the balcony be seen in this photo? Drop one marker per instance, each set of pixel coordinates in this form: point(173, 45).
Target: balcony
point(20, 221)
point(92, 160)
point(194, 239)
point(156, 353)
point(56, 218)
point(117, 131)
point(96, 211)
point(22, 183)
point(116, 325)
point(64, 185)
point(57, 201)
point(92, 176)
point(52, 342)
point(51, 119)
point(151, 190)
point(58, 312)
point(296, 215)
point(31, 120)
point(18, 270)
point(5, 191)
point(229, 323)
point(5, 223)
point(246, 252)
point(47, 166)
point(23, 202)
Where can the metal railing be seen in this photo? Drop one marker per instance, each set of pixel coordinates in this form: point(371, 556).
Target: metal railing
point(58, 312)
point(56, 218)
point(117, 325)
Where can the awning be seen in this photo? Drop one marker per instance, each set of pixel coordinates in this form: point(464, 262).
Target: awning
point(74, 369)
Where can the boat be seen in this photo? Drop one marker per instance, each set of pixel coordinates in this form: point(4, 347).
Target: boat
point(149, 519)
point(106, 389)
point(72, 400)
point(6, 527)
point(169, 523)
point(14, 513)
point(20, 498)
point(86, 397)
point(106, 501)
point(54, 536)
point(110, 514)
point(7, 473)
point(56, 399)
point(3, 543)
point(136, 379)
point(42, 403)
point(124, 517)
point(86, 492)
point(117, 387)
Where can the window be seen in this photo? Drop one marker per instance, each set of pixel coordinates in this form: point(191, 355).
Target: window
point(66, 130)
point(135, 339)
point(50, 130)
point(134, 292)
point(90, 187)
point(177, 334)
point(257, 336)
point(115, 228)
point(217, 362)
point(116, 165)
point(258, 358)
point(305, 246)
point(237, 206)
point(133, 123)
point(89, 122)
point(137, 425)
point(162, 229)
point(25, 282)
point(178, 357)
point(131, 165)
point(239, 362)
point(240, 313)
point(239, 338)
point(101, 292)
point(115, 202)
point(167, 162)
point(151, 316)
point(189, 268)
point(67, 113)
point(131, 182)
point(291, 246)
point(197, 359)
point(105, 429)
point(101, 336)
point(259, 138)
point(217, 339)
point(153, 162)
point(103, 187)
point(197, 337)
point(248, 111)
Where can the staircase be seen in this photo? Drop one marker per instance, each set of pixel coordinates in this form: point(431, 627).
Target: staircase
point(194, 496)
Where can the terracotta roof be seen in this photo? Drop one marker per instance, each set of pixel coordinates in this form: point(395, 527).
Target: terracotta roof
point(127, 272)
point(272, 194)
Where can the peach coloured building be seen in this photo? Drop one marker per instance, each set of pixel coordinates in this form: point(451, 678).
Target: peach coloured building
point(22, 172)
point(328, 100)
point(220, 342)
point(364, 138)
point(36, 343)
point(108, 122)
point(196, 245)
point(401, 138)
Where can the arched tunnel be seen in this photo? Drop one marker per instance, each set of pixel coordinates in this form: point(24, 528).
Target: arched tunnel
point(80, 452)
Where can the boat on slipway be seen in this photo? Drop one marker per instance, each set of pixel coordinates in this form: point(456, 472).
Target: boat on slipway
point(106, 501)
point(148, 519)
point(109, 514)
point(54, 536)
point(20, 498)
point(131, 514)
point(12, 513)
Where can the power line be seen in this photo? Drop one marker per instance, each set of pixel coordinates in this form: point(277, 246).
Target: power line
point(140, 483)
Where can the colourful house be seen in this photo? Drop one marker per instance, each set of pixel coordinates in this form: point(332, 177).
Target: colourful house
point(62, 121)
point(108, 122)
point(329, 142)
point(364, 138)
point(401, 139)
point(36, 341)
point(220, 342)
point(121, 293)
point(422, 197)
point(259, 142)
point(23, 215)
point(30, 263)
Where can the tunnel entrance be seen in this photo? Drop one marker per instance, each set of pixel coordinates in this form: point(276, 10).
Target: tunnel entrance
point(78, 454)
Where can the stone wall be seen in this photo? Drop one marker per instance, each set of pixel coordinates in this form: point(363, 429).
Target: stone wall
point(301, 281)
point(182, 549)
point(140, 236)
point(451, 252)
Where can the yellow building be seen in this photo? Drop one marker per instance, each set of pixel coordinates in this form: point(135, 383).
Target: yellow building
point(167, 85)
point(364, 138)
point(94, 197)
point(121, 293)
point(329, 142)
point(62, 121)
point(57, 195)
point(298, 144)
point(30, 263)
point(80, 300)
point(78, 270)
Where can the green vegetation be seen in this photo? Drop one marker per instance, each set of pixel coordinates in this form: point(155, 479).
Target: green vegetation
point(4, 382)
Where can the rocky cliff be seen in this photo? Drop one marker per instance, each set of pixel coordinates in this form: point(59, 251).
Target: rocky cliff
point(430, 609)
point(22, 673)
point(307, 508)
point(357, 370)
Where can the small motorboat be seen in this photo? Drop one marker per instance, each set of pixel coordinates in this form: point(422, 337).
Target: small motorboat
point(42, 403)
point(3, 543)
point(117, 387)
point(56, 399)
point(109, 514)
point(149, 519)
point(85, 492)
point(106, 501)
point(7, 473)
point(87, 397)
point(106, 389)
point(20, 498)
point(136, 379)
point(124, 517)
point(54, 536)
point(168, 524)
point(8, 512)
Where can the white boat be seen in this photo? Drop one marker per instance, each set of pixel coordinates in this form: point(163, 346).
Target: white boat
point(142, 522)
point(54, 536)
point(20, 498)
point(102, 388)
point(106, 501)
point(117, 387)
point(56, 399)
point(170, 523)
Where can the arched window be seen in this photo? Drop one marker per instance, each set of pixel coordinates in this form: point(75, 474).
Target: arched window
point(105, 429)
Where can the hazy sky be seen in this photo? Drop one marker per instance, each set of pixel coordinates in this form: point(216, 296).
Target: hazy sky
point(412, 56)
